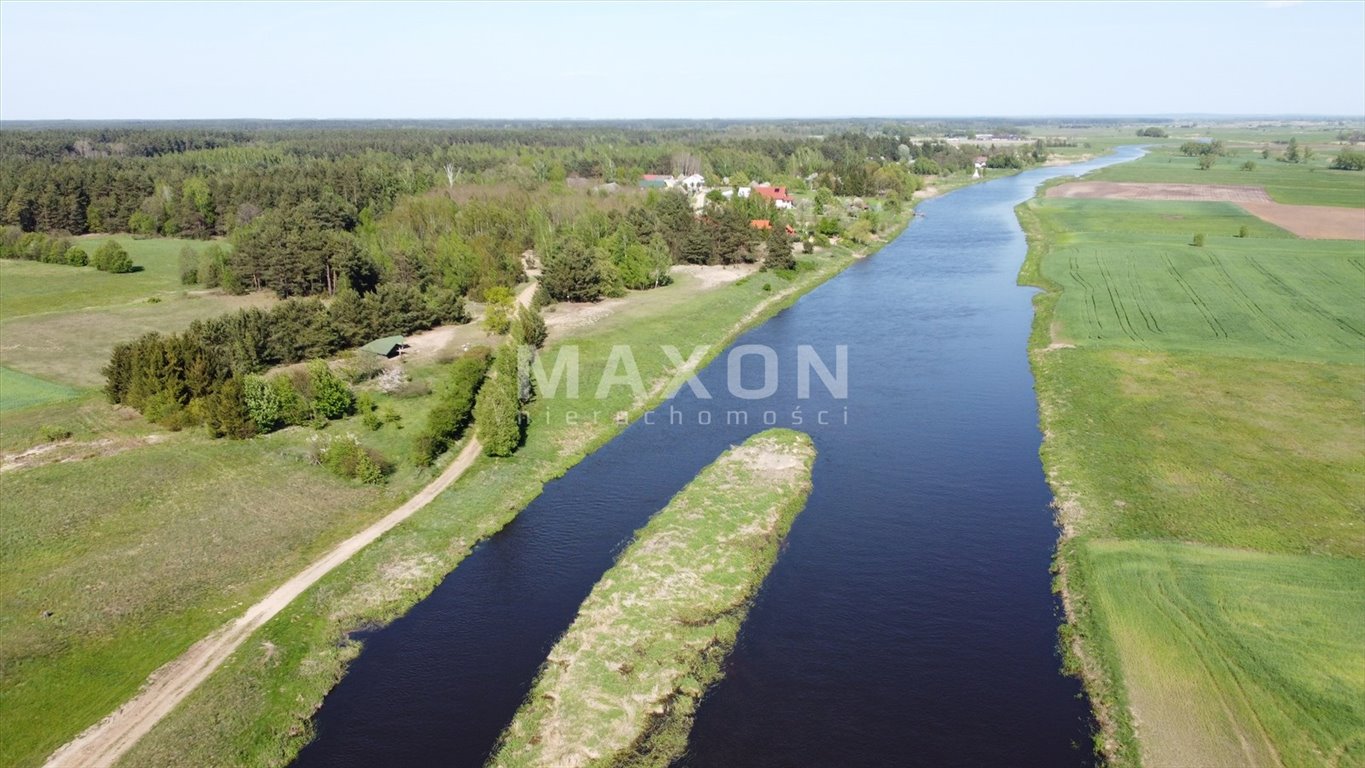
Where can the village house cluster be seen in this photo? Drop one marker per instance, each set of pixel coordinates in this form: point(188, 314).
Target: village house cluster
point(695, 186)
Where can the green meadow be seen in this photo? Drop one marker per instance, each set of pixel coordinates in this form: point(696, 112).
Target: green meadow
point(1203, 416)
point(19, 390)
point(1311, 183)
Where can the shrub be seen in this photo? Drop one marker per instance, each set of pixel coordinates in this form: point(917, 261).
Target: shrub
point(1243, 231)
point(362, 367)
point(346, 457)
point(1249, 165)
point(111, 258)
point(189, 266)
point(497, 317)
point(51, 434)
point(331, 398)
point(1199, 240)
point(529, 328)
point(1349, 160)
point(262, 402)
point(77, 257)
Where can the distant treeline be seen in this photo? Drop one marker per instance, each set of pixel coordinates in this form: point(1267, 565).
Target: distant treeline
point(203, 182)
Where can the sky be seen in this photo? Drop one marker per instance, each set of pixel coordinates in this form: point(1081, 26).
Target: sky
point(110, 60)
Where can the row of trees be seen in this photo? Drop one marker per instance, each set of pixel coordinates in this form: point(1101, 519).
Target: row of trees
point(56, 249)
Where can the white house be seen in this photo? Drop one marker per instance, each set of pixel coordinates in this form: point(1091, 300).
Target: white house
point(978, 166)
point(693, 183)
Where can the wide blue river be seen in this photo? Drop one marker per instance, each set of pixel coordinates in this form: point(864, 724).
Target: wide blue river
point(909, 618)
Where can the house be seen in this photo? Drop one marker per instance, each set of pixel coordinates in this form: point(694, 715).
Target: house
point(778, 195)
point(388, 346)
point(693, 183)
point(979, 166)
point(657, 181)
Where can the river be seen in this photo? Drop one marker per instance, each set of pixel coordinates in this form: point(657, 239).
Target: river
point(909, 619)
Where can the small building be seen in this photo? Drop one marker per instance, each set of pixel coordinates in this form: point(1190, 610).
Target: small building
point(979, 166)
point(389, 346)
point(657, 181)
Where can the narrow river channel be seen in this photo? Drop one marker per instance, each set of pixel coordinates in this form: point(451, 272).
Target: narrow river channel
point(909, 619)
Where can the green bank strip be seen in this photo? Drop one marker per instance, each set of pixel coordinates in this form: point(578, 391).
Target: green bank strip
point(622, 684)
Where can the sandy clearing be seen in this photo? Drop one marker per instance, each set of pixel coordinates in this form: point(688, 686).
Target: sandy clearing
point(102, 744)
point(715, 276)
point(1314, 222)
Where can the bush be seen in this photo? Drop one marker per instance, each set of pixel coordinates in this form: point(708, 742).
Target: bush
point(1199, 240)
point(1243, 231)
point(497, 318)
point(1349, 160)
point(362, 367)
point(111, 258)
point(1249, 166)
point(189, 266)
point(529, 328)
point(51, 434)
point(346, 457)
point(331, 398)
point(262, 402)
point(77, 257)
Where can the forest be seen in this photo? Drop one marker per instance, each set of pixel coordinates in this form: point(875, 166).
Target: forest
point(374, 229)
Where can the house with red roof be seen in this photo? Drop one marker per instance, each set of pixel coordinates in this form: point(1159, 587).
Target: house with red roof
point(778, 195)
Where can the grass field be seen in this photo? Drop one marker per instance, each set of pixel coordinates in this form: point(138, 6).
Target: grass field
point(1309, 183)
point(32, 288)
point(1131, 279)
point(1202, 411)
point(653, 634)
point(60, 323)
point(1263, 651)
point(18, 390)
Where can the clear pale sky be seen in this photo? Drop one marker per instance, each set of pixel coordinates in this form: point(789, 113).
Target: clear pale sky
point(777, 59)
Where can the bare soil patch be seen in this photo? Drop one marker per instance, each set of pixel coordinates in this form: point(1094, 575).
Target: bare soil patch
point(1314, 222)
point(717, 275)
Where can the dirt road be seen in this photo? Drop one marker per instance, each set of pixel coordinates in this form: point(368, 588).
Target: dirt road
point(104, 743)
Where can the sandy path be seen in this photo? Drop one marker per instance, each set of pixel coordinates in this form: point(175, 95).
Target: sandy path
point(104, 743)
point(1314, 222)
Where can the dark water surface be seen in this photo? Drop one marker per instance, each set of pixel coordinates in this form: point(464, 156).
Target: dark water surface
point(909, 619)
